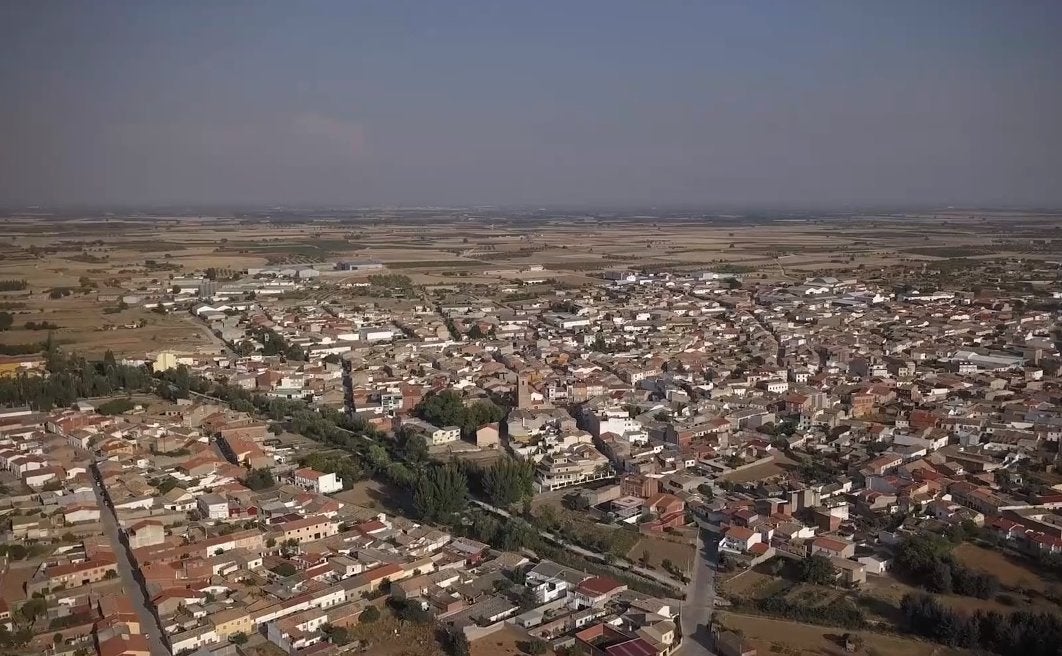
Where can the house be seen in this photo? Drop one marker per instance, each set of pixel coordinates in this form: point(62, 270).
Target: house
point(315, 481)
point(213, 506)
point(596, 591)
point(738, 539)
point(308, 529)
point(145, 533)
point(849, 572)
point(876, 565)
point(232, 621)
point(832, 547)
point(178, 500)
point(77, 513)
point(550, 581)
point(73, 575)
point(132, 644)
point(487, 437)
point(664, 504)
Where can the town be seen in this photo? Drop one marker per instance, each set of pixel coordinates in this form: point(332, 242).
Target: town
point(654, 462)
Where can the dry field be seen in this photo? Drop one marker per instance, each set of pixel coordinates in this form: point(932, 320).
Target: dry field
point(487, 253)
point(781, 464)
point(771, 636)
point(890, 591)
point(660, 549)
point(1012, 572)
point(373, 494)
point(389, 636)
point(500, 643)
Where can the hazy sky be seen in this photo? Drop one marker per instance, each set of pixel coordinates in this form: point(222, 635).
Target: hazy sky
point(536, 102)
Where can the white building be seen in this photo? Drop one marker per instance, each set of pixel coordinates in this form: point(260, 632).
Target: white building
point(315, 481)
point(213, 506)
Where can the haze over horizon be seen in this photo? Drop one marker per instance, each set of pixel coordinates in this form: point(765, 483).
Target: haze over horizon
point(548, 103)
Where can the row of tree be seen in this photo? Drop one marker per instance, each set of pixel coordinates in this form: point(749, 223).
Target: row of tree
point(71, 378)
point(1021, 632)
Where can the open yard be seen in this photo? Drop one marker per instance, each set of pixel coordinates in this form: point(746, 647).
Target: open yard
point(371, 493)
point(781, 464)
point(660, 549)
point(500, 643)
point(883, 594)
point(389, 636)
point(771, 636)
point(1013, 572)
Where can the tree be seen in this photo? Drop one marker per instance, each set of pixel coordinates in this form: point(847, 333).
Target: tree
point(285, 570)
point(818, 569)
point(508, 481)
point(6, 319)
point(260, 479)
point(337, 635)
point(369, 615)
point(16, 551)
point(440, 492)
point(534, 646)
point(411, 447)
point(238, 638)
point(33, 608)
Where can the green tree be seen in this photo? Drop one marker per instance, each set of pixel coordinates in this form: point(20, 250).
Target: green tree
point(439, 492)
point(369, 615)
point(285, 570)
point(16, 551)
point(508, 481)
point(818, 569)
point(33, 608)
point(260, 479)
point(412, 448)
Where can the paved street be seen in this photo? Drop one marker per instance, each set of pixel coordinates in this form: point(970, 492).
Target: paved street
point(696, 612)
point(148, 626)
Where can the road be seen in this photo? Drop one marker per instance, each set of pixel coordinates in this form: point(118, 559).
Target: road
point(696, 612)
point(593, 555)
point(209, 334)
point(149, 626)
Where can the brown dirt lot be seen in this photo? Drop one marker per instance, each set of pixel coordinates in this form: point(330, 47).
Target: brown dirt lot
point(1012, 572)
point(369, 493)
point(771, 636)
point(500, 643)
point(891, 591)
point(748, 584)
point(679, 553)
point(781, 464)
point(389, 636)
point(13, 582)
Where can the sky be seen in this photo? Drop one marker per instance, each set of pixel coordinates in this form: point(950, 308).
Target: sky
point(600, 103)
